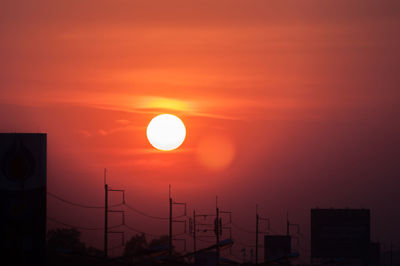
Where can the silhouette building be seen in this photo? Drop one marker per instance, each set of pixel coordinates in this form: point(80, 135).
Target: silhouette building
point(340, 234)
point(23, 198)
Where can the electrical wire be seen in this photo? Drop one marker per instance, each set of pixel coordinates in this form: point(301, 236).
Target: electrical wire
point(132, 228)
point(80, 227)
point(102, 228)
point(145, 214)
point(242, 229)
point(111, 206)
point(78, 204)
point(199, 239)
point(205, 241)
point(149, 215)
point(140, 231)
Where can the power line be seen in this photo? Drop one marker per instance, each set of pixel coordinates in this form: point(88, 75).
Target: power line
point(140, 231)
point(101, 228)
point(145, 214)
point(206, 241)
point(116, 205)
point(78, 204)
point(171, 219)
point(202, 240)
point(242, 229)
point(149, 215)
point(80, 227)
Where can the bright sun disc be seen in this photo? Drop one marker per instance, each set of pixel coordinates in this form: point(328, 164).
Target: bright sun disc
point(166, 132)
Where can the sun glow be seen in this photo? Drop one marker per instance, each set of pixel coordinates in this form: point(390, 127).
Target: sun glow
point(165, 103)
point(166, 132)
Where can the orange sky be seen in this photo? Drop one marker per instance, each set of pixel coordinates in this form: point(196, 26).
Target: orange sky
point(305, 93)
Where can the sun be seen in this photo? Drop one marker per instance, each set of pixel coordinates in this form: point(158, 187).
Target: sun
point(166, 132)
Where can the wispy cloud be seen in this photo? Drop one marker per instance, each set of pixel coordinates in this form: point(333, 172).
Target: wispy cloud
point(84, 133)
point(215, 107)
point(123, 121)
point(104, 132)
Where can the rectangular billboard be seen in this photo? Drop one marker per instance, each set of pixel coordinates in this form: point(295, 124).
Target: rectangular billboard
point(276, 247)
point(23, 170)
point(340, 233)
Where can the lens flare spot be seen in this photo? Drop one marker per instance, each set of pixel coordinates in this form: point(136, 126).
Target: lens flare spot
point(216, 152)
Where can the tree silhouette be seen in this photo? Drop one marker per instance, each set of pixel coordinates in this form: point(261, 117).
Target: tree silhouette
point(157, 242)
point(65, 248)
point(65, 240)
point(136, 246)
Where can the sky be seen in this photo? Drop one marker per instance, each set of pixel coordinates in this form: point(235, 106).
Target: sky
point(290, 105)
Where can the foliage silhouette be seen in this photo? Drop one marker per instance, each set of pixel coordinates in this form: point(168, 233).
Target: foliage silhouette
point(65, 240)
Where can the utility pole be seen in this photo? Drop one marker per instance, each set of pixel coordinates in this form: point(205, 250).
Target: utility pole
point(206, 227)
point(258, 219)
point(287, 224)
point(202, 227)
point(257, 233)
point(170, 223)
point(217, 230)
point(105, 217)
point(194, 234)
point(391, 253)
point(106, 211)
